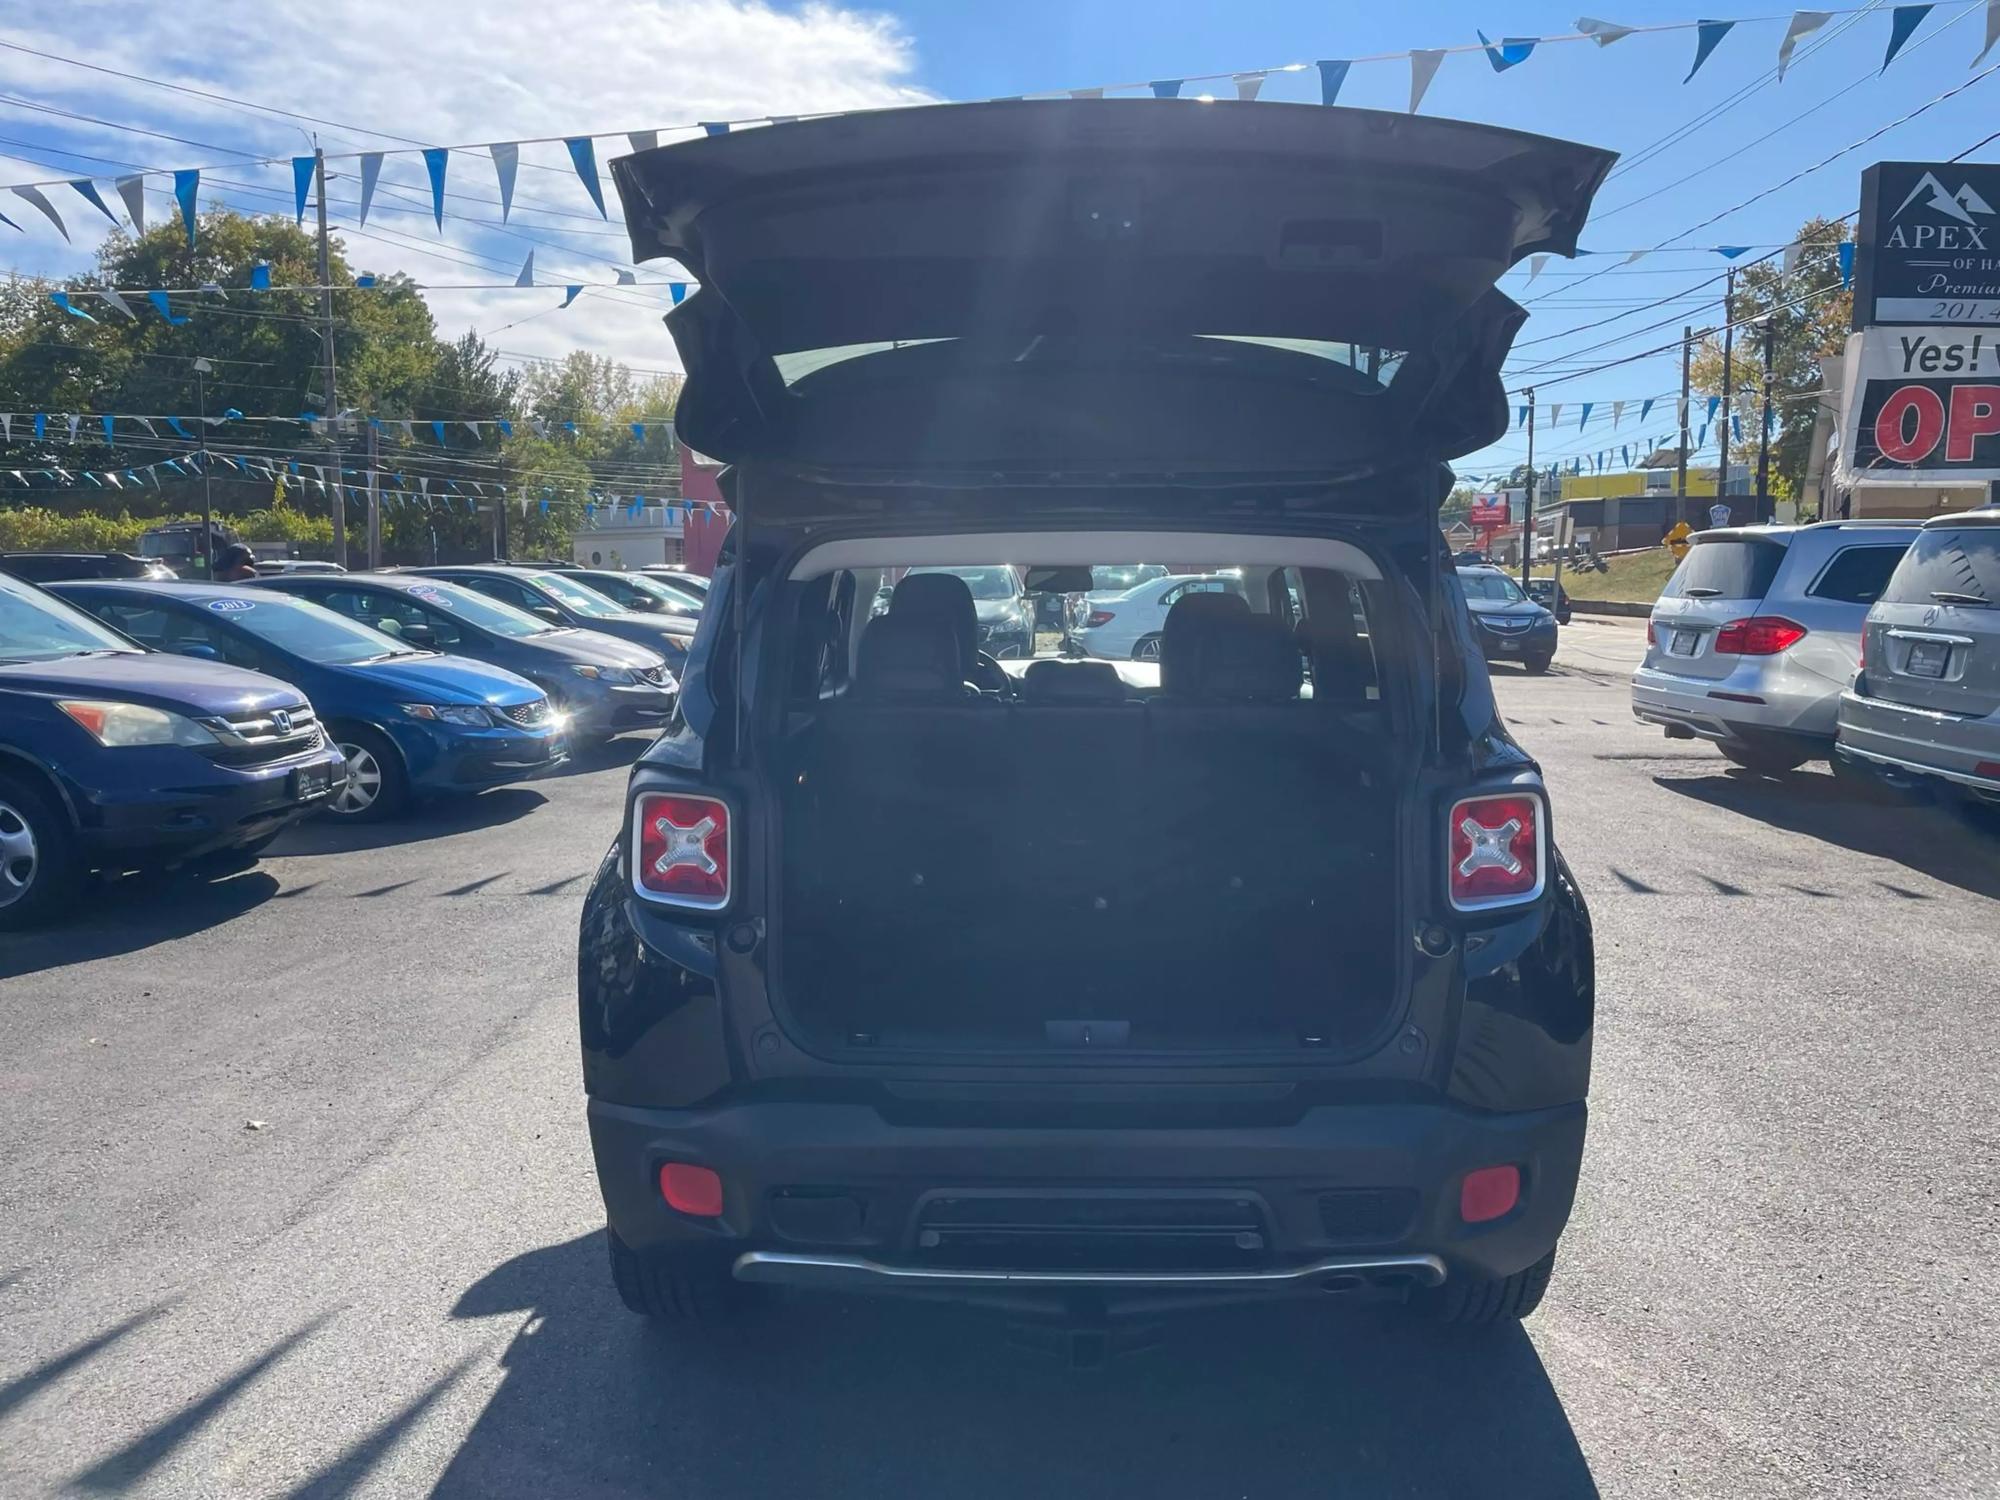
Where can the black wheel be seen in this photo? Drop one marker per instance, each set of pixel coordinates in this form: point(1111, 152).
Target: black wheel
point(691, 1287)
point(41, 865)
point(377, 787)
point(1764, 759)
point(1538, 664)
point(1478, 1301)
point(1147, 648)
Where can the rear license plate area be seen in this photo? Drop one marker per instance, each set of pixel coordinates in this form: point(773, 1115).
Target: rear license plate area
point(1928, 658)
point(309, 782)
point(1091, 1232)
point(1684, 643)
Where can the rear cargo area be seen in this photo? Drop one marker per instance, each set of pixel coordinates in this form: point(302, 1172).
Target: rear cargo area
point(1084, 860)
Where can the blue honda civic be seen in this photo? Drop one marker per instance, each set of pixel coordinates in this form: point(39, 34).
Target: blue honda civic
point(410, 723)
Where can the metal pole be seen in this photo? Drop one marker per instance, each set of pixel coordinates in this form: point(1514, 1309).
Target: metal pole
point(500, 547)
point(374, 501)
point(1528, 502)
point(1681, 481)
point(339, 492)
point(201, 369)
point(1764, 512)
point(1728, 347)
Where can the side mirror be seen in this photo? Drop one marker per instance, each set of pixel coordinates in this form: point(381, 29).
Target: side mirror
point(646, 604)
point(199, 650)
point(419, 635)
point(547, 612)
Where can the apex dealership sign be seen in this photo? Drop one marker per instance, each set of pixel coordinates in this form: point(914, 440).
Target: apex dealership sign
point(1928, 246)
point(1923, 404)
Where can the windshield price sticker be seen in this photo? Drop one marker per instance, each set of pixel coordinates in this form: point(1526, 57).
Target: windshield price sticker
point(432, 596)
point(231, 606)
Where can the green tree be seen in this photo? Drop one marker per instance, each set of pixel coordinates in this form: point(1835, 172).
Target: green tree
point(1808, 313)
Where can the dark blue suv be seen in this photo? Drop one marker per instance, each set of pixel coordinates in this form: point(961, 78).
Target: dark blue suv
point(113, 757)
point(409, 722)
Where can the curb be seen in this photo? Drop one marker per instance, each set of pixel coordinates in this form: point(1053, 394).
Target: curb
point(1615, 607)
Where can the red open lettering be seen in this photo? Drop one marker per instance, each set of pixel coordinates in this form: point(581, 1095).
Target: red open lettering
point(1975, 413)
point(1928, 408)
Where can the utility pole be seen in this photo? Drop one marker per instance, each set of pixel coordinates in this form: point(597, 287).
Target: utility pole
point(1687, 348)
point(201, 369)
point(374, 500)
point(339, 491)
point(1528, 503)
point(500, 512)
point(1764, 511)
point(1728, 393)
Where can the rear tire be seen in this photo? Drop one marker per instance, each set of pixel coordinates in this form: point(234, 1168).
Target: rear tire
point(1481, 1301)
point(1146, 648)
point(695, 1289)
point(41, 861)
point(377, 787)
point(1765, 760)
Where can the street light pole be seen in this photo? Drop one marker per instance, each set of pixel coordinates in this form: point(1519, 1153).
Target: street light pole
point(1528, 504)
point(1728, 348)
point(338, 495)
point(201, 370)
point(1764, 512)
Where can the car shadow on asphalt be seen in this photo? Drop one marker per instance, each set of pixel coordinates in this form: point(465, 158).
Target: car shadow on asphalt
point(605, 755)
point(123, 915)
point(434, 818)
point(1927, 838)
point(832, 1397)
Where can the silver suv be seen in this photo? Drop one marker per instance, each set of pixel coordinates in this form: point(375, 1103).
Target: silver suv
point(1926, 703)
point(1757, 633)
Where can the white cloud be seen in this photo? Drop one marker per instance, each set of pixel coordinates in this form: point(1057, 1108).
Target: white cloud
point(439, 74)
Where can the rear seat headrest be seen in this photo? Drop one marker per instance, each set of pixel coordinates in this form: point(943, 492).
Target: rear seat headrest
point(941, 596)
point(1184, 618)
point(1073, 682)
point(906, 656)
point(1231, 654)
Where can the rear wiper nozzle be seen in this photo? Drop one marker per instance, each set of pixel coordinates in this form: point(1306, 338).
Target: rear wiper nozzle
point(1950, 596)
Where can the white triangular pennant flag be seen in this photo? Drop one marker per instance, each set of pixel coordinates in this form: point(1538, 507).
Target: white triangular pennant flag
point(1535, 264)
point(474, 429)
point(506, 163)
point(40, 199)
point(1617, 413)
point(133, 190)
point(1423, 68)
point(1683, 411)
point(626, 278)
point(1555, 412)
point(1633, 258)
point(113, 299)
point(1086, 93)
point(6, 427)
point(1247, 84)
point(409, 430)
point(1604, 33)
point(371, 171)
point(527, 276)
point(147, 423)
point(1792, 253)
point(540, 426)
point(1804, 23)
point(75, 422)
point(1992, 31)
point(643, 140)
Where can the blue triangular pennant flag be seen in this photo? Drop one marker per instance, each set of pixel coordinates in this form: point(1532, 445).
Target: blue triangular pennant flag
point(91, 196)
point(159, 301)
point(302, 178)
point(506, 427)
point(1580, 421)
point(1730, 252)
point(1846, 253)
point(1522, 421)
point(187, 182)
point(435, 158)
point(678, 291)
point(364, 282)
point(180, 427)
point(570, 294)
point(1332, 74)
point(61, 299)
point(639, 431)
point(110, 430)
point(1701, 438)
point(716, 127)
point(1903, 20)
point(1646, 408)
point(1736, 426)
point(570, 428)
point(584, 157)
point(1167, 88)
point(437, 431)
point(1512, 51)
point(41, 426)
point(1708, 35)
point(260, 277)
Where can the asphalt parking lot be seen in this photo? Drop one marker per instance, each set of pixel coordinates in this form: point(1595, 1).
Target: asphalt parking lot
point(298, 1201)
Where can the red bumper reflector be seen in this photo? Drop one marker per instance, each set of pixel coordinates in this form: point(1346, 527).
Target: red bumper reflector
point(1990, 769)
point(1489, 1193)
point(691, 1190)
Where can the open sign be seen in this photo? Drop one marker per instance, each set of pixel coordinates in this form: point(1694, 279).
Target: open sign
point(1929, 425)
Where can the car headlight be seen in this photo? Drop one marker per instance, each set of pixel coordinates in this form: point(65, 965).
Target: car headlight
point(616, 676)
point(469, 714)
point(124, 724)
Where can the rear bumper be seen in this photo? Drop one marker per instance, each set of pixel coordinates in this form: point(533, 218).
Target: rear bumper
point(1918, 741)
point(1692, 703)
point(847, 1194)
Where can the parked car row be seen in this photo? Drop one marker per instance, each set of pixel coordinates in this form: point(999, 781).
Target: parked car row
point(1874, 644)
point(148, 723)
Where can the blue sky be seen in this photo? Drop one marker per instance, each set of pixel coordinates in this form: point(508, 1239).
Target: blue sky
point(444, 73)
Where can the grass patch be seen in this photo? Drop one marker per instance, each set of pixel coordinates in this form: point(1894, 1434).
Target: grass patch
point(1636, 578)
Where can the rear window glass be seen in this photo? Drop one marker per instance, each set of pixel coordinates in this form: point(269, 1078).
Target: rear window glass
point(1857, 575)
point(1726, 570)
point(1959, 566)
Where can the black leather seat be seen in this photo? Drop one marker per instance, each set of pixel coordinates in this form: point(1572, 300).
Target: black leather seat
point(947, 597)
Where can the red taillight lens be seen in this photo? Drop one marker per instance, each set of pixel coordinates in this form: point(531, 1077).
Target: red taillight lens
point(681, 848)
point(1760, 635)
point(692, 1190)
point(1489, 1193)
point(1649, 633)
point(1494, 845)
point(1100, 617)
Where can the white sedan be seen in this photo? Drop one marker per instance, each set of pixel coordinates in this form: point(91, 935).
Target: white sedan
point(1126, 627)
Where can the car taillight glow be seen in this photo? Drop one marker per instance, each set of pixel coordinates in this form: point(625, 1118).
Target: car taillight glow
point(681, 849)
point(1759, 635)
point(1100, 617)
point(691, 1190)
point(1650, 639)
point(1494, 847)
point(1489, 1193)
